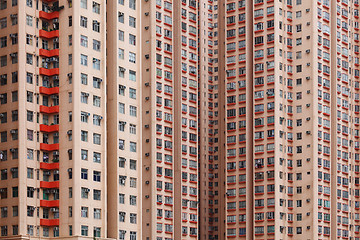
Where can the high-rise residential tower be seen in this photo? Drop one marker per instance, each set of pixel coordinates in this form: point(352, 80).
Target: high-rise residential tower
point(191, 119)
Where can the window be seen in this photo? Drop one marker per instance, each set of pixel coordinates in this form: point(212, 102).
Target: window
point(83, 41)
point(121, 53)
point(83, 60)
point(132, 39)
point(133, 110)
point(29, 20)
point(96, 26)
point(83, 4)
point(132, 4)
point(132, 146)
point(96, 63)
point(96, 7)
point(84, 230)
point(97, 176)
point(97, 138)
point(121, 35)
point(97, 194)
point(121, 17)
point(121, 198)
point(132, 57)
point(83, 21)
point(96, 45)
point(84, 136)
point(84, 79)
point(132, 22)
point(84, 173)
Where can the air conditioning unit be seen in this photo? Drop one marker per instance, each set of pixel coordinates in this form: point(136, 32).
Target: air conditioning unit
point(308, 64)
point(308, 51)
point(147, 98)
point(308, 78)
point(308, 186)
point(12, 55)
point(56, 39)
point(56, 77)
point(87, 190)
point(13, 15)
point(308, 214)
point(147, 126)
point(308, 227)
point(147, 196)
point(308, 91)
point(308, 200)
point(147, 56)
point(147, 154)
point(308, 132)
point(308, 105)
point(69, 170)
point(54, 96)
point(47, 173)
point(308, 23)
point(53, 209)
point(147, 14)
point(147, 168)
point(307, 37)
point(69, 74)
point(147, 182)
point(147, 28)
point(69, 132)
point(307, 10)
point(308, 119)
point(147, 140)
point(12, 131)
point(56, 20)
point(56, 172)
point(147, 84)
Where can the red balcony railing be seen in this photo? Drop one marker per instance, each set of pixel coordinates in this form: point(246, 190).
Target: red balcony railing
point(49, 16)
point(49, 72)
point(49, 91)
point(49, 203)
point(44, 184)
point(49, 147)
point(48, 34)
point(45, 109)
point(49, 53)
point(49, 222)
point(49, 166)
point(49, 128)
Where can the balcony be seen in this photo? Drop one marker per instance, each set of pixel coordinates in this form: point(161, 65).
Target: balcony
point(49, 53)
point(49, 147)
point(49, 203)
point(49, 91)
point(49, 72)
point(48, 34)
point(49, 128)
point(48, 16)
point(49, 110)
point(49, 222)
point(44, 184)
point(49, 166)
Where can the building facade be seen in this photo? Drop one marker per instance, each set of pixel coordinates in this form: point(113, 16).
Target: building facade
point(191, 119)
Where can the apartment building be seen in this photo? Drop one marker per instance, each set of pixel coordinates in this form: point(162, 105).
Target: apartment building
point(52, 123)
point(284, 162)
point(159, 119)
